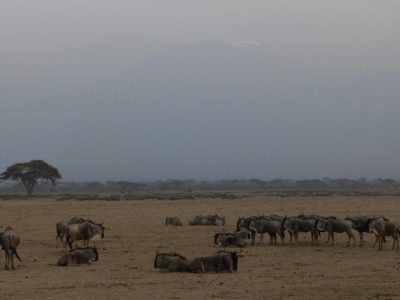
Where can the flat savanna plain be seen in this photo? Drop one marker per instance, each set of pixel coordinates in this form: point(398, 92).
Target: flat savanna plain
point(136, 228)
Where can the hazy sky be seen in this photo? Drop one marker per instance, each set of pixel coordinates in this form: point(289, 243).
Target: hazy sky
point(209, 89)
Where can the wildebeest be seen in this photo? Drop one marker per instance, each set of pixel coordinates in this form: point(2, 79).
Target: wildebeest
point(271, 226)
point(171, 262)
point(335, 226)
point(9, 242)
point(228, 239)
point(220, 262)
point(361, 224)
point(61, 228)
point(79, 256)
point(174, 221)
point(86, 231)
point(383, 228)
point(294, 225)
point(214, 220)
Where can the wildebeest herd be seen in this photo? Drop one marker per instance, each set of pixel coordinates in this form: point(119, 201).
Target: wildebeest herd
point(275, 226)
point(70, 231)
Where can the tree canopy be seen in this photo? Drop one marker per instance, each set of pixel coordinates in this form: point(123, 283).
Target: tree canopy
point(29, 173)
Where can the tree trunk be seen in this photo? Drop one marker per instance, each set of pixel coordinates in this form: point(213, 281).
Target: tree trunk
point(29, 187)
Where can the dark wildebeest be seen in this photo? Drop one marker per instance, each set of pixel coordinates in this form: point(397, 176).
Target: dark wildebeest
point(227, 239)
point(79, 256)
point(361, 224)
point(213, 220)
point(9, 242)
point(220, 262)
point(61, 229)
point(86, 231)
point(174, 221)
point(381, 228)
point(294, 225)
point(334, 225)
point(171, 262)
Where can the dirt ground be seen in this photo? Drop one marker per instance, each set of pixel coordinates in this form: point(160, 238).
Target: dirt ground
point(136, 228)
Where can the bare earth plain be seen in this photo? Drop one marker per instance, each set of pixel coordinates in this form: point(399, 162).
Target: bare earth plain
point(136, 228)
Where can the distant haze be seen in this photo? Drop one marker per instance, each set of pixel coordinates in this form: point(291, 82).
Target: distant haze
point(145, 90)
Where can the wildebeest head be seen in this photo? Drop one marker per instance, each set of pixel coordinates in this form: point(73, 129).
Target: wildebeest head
point(234, 258)
point(320, 225)
point(96, 254)
point(218, 220)
point(216, 236)
point(99, 226)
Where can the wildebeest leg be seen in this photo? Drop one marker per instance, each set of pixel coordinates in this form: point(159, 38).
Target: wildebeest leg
point(395, 241)
point(6, 260)
point(361, 239)
point(291, 236)
point(253, 237)
point(333, 238)
point(376, 240)
point(261, 237)
point(12, 260)
point(349, 235)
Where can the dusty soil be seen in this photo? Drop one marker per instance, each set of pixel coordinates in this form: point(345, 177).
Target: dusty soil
point(136, 228)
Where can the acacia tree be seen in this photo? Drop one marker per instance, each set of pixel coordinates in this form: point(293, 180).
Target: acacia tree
point(29, 173)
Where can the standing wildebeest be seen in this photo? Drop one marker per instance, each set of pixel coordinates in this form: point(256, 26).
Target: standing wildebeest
point(61, 228)
point(171, 262)
point(79, 256)
point(383, 228)
point(294, 225)
point(271, 224)
point(361, 224)
point(227, 239)
point(174, 221)
point(9, 242)
point(220, 262)
point(214, 220)
point(334, 225)
point(86, 231)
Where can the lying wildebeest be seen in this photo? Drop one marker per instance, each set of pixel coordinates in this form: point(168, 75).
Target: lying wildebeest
point(335, 226)
point(273, 226)
point(61, 228)
point(86, 231)
point(9, 242)
point(294, 225)
point(381, 228)
point(361, 225)
point(79, 256)
point(220, 262)
point(227, 239)
point(208, 220)
point(171, 262)
point(174, 221)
